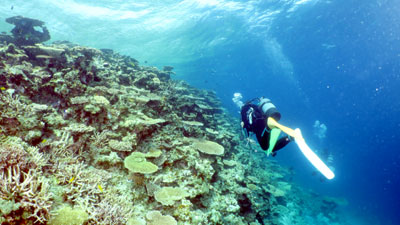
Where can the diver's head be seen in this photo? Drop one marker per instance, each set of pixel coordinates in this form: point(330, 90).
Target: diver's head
point(269, 109)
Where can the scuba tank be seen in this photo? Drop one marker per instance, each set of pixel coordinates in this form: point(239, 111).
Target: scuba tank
point(269, 109)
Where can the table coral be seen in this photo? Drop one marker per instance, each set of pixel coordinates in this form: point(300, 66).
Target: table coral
point(208, 147)
point(136, 163)
point(168, 195)
point(156, 218)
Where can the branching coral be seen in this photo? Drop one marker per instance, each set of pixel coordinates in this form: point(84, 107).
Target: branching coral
point(100, 139)
point(80, 183)
point(20, 180)
point(28, 190)
point(12, 103)
point(88, 188)
point(109, 211)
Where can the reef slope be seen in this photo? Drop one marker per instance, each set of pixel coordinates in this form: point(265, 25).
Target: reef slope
point(89, 136)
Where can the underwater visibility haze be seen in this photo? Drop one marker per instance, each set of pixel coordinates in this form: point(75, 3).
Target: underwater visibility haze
point(330, 67)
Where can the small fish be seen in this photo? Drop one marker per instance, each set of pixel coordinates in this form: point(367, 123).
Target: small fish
point(44, 141)
point(3, 88)
point(100, 188)
point(12, 7)
point(71, 180)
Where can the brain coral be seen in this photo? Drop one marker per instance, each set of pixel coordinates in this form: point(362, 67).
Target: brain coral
point(208, 147)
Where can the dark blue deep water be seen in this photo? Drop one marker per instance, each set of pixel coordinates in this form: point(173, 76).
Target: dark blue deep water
point(336, 61)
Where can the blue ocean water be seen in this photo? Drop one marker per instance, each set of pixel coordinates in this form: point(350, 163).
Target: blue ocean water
point(332, 61)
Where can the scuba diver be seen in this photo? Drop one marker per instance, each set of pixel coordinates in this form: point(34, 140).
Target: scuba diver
point(255, 116)
point(261, 119)
point(260, 116)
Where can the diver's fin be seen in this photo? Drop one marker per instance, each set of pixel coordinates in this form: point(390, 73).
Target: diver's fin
point(304, 148)
point(312, 157)
point(273, 138)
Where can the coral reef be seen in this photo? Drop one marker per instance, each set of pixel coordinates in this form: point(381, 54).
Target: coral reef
point(92, 137)
point(26, 31)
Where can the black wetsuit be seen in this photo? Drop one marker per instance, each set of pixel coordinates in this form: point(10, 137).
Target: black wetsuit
point(258, 125)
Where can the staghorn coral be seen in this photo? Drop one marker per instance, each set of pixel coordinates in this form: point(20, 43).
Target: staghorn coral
point(20, 116)
point(103, 196)
point(79, 183)
point(21, 182)
point(27, 190)
point(109, 211)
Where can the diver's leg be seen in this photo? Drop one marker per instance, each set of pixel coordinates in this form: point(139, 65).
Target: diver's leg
point(282, 142)
point(263, 141)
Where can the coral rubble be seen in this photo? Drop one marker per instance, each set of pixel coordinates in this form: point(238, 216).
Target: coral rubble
point(92, 137)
